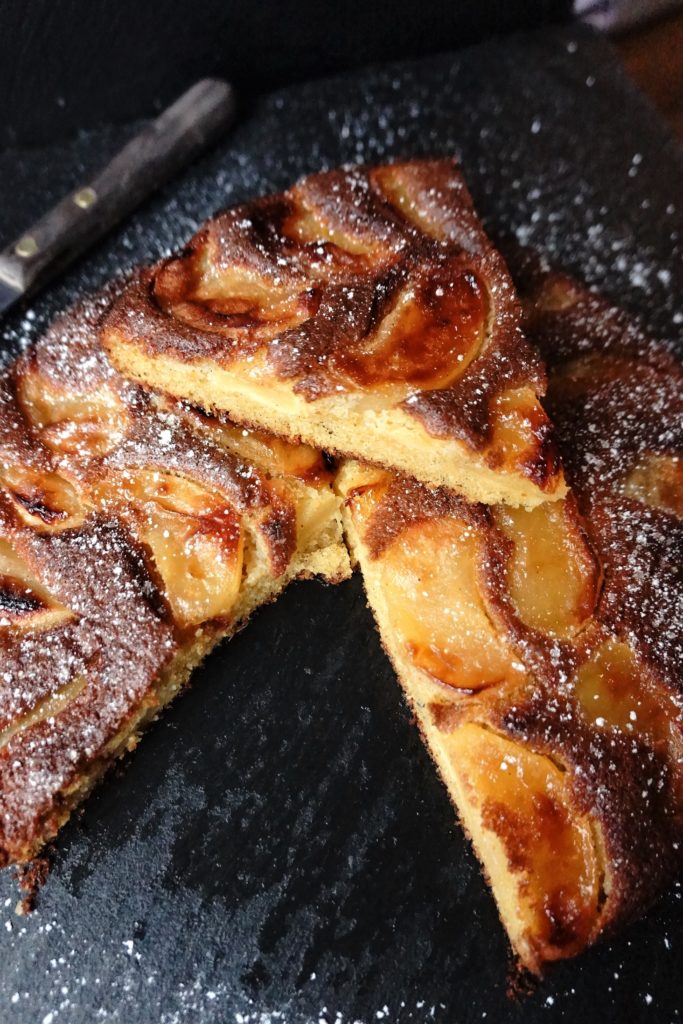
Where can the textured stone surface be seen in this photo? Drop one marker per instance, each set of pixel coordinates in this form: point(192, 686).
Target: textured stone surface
point(79, 64)
point(279, 848)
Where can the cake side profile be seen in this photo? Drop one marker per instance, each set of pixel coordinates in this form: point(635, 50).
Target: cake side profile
point(135, 533)
point(363, 311)
point(541, 650)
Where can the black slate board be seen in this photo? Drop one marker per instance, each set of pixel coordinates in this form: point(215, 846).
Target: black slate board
point(279, 848)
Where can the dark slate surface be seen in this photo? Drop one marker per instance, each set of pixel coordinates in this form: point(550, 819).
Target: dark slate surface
point(78, 63)
point(279, 848)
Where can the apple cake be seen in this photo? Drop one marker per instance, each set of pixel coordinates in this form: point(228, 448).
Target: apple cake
point(135, 532)
point(363, 311)
point(542, 649)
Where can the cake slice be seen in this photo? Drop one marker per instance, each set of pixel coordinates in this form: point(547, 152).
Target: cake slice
point(365, 312)
point(542, 650)
point(135, 533)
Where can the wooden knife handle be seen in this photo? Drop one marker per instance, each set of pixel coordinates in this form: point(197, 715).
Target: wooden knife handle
point(161, 149)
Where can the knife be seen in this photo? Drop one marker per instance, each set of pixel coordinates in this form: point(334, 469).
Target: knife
point(151, 158)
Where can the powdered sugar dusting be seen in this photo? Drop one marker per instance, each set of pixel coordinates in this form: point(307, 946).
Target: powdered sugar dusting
point(480, 106)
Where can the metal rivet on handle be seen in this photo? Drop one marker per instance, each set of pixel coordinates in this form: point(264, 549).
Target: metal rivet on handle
point(85, 197)
point(26, 246)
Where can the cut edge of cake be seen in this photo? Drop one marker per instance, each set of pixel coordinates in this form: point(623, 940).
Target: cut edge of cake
point(363, 311)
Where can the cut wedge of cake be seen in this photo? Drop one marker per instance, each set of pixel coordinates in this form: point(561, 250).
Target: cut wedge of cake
point(134, 534)
point(363, 311)
point(542, 650)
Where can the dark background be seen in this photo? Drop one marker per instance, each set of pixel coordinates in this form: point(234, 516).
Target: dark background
point(279, 849)
point(67, 65)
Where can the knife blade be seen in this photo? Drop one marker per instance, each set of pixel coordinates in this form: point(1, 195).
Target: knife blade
point(151, 158)
point(9, 294)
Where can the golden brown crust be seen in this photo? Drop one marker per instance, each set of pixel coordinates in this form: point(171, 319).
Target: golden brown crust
point(584, 596)
point(362, 281)
point(405, 502)
point(616, 398)
point(116, 641)
point(134, 533)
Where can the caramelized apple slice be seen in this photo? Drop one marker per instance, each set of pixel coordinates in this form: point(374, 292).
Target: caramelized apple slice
point(280, 458)
point(613, 692)
point(393, 183)
point(44, 501)
point(227, 299)
point(308, 224)
point(538, 852)
point(25, 604)
point(519, 428)
point(168, 490)
point(273, 455)
point(200, 562)
point(657, 480)
point(195, 537)
point(71, 422)
point(364, 487)
point(430, 581)
point(552, 576)
point(237, 291)
point(439, 207)
point(429, 337)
